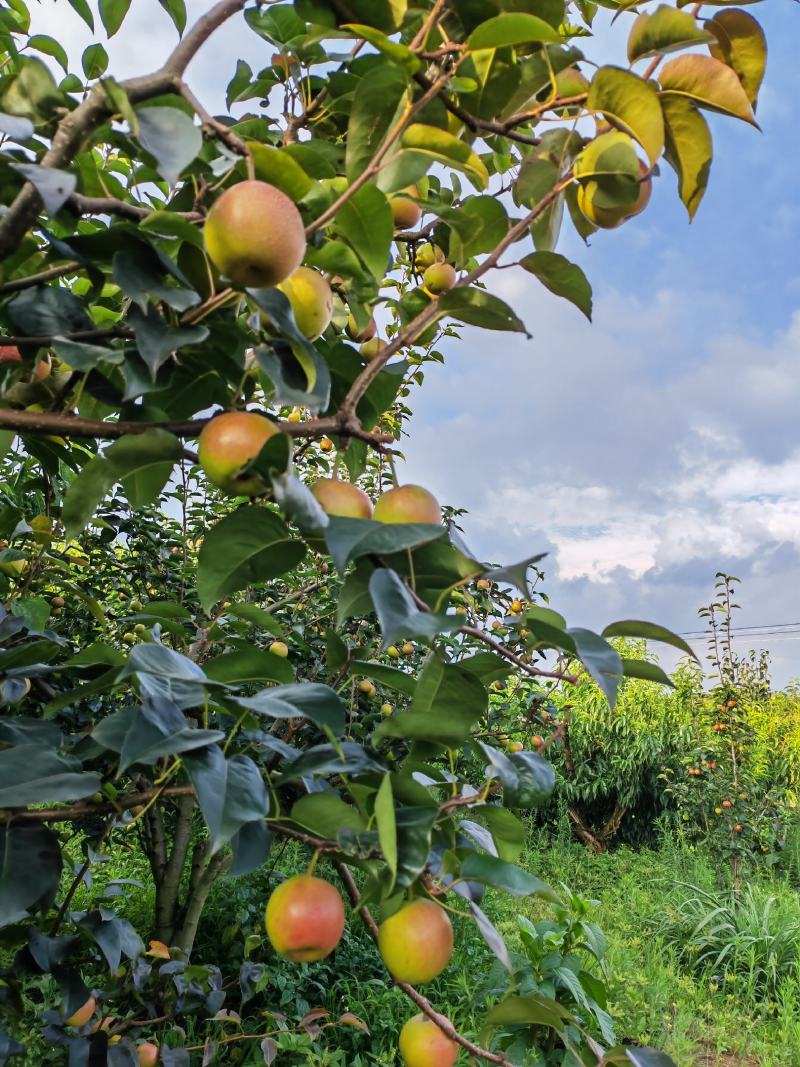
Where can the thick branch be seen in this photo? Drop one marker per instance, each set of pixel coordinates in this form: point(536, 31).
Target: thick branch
point(422, 1003)
point(66, 425)
point(17, 284)
point(75, 127)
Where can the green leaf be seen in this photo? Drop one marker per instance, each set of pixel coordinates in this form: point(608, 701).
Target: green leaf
point(230, 792)
point(32, 774)
point(81, 7)
point(278, 168)
point(440, 146)
point(119, 101)
point(476, 867)
point(397, 613)
point(365, 222)
point(247, 547)
point(600, 659)
point(48, 311)
point(171, 137)
point(414, 828)
point(249, 665)
point(385, 820)
point(561, 277)
point(375, 102)
point(140, 274)
point(650, 632)
point(32, 93)
point(491, 936)
point(316, 388)
point(401, 681)
point(398, 53)
point(145, 739)
point(34, 610)
point(632, 104)
point(512, 29)
point(476, 307)
point(740, 42)
point(527, 778)
point(164, 674)
point(447, 703)
point(350, 539)
point(112, 14)
point(709, 84)
point(646, 671)
point(49, 47)
point(142, 462)
point(325, 814)
point(30, 870)
point(532, 1010)
point(507, 830)
point(176, 9)
point(94, 61)
point(689, 149)
point(308, 700)
point(663, 30)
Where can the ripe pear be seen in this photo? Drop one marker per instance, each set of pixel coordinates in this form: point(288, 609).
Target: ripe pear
point(422, 1044)
point(408, 503)
point(83, 1014)
point(305, 918)
point(342, 498)
point(148, 1054)
point(280, 649)
point(439, 278)
point(227, 444)
point(372, 348)
point(406, 213)
point(10, 354)
point(416, 943)
point(360, 336)
point(254, 235)
point(311, 299)
point(427, 255)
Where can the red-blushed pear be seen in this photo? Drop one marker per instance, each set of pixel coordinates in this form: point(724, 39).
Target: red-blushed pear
point(9, 354)
point(305, 918)
point(406, 213)
point(422, 1043)
point(254, 235)
point(408, 503)
point(148, 1054)
point(83, 1014)
point(360, 336)
point(311, 299)
point(227, 444)
point(416, 943)
point(372, 348)
point(342, 498)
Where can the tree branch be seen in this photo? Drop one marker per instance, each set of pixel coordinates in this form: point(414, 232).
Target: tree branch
point(110, 205)
point(17, 284)
point(421, 1002)
point(75, 127)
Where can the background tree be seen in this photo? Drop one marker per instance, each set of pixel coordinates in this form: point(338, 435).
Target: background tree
point(205, 686)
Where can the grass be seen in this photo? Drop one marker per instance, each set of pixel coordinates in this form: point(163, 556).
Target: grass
point(713, 982)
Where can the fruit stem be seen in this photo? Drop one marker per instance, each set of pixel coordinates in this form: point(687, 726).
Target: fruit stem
point(313, 863)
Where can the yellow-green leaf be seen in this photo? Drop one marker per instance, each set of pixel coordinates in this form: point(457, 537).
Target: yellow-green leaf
point(709, 83)
point(511, 29)
point(741, 44)
point(398, 53)
point(387, 827)
point(665, 30)
point(689, 149)
point(630, 103)
point(445, 148)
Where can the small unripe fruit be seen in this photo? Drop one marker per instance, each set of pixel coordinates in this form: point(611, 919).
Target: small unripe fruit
point(727, 804)
point(136, 605)
point(254, 234)
point(305, 918)
point(279, 648)
point(148, 1054)
point(439, 278)
point(83, 1014)
point(43, 368)
point(140, 629)
point(717, 811)
point(294, 416)
point(537, 741)
point(738, 828)
point(311, 299)
point(366, 686)
point(416, 942)
point(422, 1044)
point(386, 709)
point(372, 348)
point(408, 503)
point(408, 649)
point(484, 584)
point(227, 444)
point(129, 638)
point(336, 497)
point(516, 606)
point(57, 601)
point(405, 212)
point(326, 445)
point(392, 652)
point(515, 746)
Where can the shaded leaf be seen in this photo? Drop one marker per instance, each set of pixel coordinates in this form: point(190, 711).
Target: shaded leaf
point(709, 83)
point(561, 277)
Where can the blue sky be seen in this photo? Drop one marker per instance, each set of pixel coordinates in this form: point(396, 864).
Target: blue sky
point(655, 446)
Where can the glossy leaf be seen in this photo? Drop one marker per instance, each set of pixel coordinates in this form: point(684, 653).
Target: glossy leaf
point(491, 936)
point(476, 307)
point(631, 104)
point(230, 792)
point(33, 774)
point(650, 632)
point(664, 30)
point(351, 539)
point(741, 44)
point(600, 659)
point(561, 277)
point(112, 14)
point(448, 701)
point(326, 813)
point(309, 700)
point(531, 1010)
point(495, 872)
point(646, 671)
point(171, 137)
point(365, 222)
point(385, 821)
point(512, 29)
point(707, 83)
point(30, 870)
point(689, 149)
point(398, 614)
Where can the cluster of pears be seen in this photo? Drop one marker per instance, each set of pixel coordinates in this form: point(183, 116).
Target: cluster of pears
point(305, 920)
point(403, 504)
point(147, 1051)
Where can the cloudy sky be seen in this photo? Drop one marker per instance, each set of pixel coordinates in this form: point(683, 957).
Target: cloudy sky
point(653, 447)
